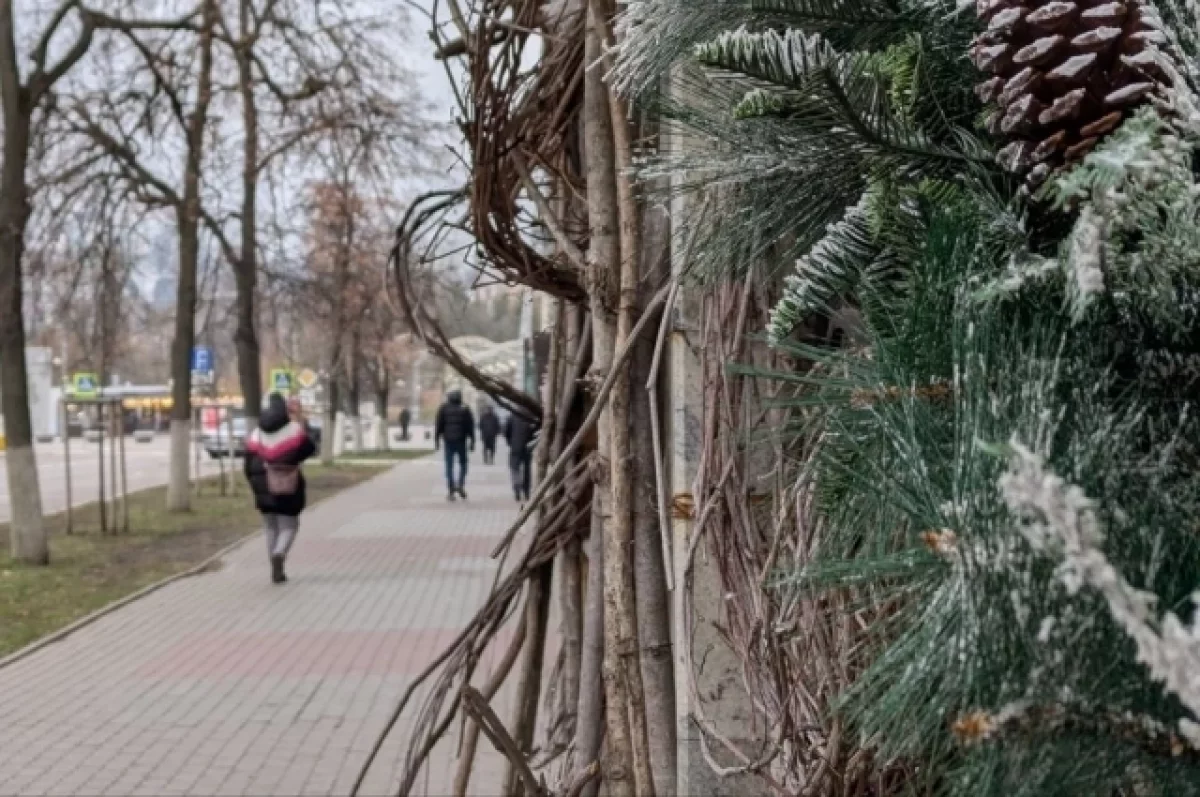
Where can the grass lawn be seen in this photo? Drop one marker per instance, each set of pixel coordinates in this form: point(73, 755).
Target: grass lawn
point(88, 570)
point(391, 455)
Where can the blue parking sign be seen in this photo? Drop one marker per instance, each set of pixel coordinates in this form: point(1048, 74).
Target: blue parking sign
point(202, 359)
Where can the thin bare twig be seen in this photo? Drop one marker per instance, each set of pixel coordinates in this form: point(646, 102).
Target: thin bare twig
point(474, 704)
point(466, 755)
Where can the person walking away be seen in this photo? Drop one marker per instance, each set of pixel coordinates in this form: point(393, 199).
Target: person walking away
point(405, 418)
point(489, 430)
point(274, 454)
point(519, 433)
point(455, 427)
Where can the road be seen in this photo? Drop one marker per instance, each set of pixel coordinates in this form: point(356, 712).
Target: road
point(146, 466)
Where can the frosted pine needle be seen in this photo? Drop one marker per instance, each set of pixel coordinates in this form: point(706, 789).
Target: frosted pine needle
point(831, 266)
point(1085, 261)
point(1059, 518)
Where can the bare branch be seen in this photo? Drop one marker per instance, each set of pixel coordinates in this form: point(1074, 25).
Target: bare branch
point(474, 704)
point(44, 76)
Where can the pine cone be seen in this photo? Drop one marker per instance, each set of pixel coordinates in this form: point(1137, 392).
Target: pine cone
point(1065, 74)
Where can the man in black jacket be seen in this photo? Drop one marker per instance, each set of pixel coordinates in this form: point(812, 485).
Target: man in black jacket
point(405, 418)
point(519, 432)
point(455, 426)
point(489, 430)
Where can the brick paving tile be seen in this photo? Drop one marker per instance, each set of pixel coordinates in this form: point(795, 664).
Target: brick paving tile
point(226, 684)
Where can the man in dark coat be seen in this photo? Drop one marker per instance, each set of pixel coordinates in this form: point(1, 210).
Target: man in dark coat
point(519, 431)
point(405, 418)
point(274, 453)
point(455, 426)
point(489, 430)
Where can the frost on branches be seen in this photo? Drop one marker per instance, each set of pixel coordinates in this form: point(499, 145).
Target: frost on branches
point(1137, 234)
point(1058, 519)
point(653, 34)
point(828, 269)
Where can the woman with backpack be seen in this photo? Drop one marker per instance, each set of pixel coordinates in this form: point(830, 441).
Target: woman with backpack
point(274, 452)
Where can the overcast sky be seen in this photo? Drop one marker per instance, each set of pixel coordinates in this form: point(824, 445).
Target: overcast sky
point(436, 85)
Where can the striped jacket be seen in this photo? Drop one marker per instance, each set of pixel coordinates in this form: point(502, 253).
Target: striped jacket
point(277, 441)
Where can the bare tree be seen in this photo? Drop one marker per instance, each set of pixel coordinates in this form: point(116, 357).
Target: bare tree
point(345, 289)
point(22, 95)
point(360, 163)
point(168, 84)
point(80, 264)
point(286, 54)
point(381, 351)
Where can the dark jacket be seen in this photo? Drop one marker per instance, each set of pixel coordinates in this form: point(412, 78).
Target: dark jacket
point(489, 427)
point(281, 441)
point(519, 432)
point(455, 422)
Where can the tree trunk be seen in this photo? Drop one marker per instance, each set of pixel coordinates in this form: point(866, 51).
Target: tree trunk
point(589, 719)
point(653, 600)
point(382, 392)
point(354, 392)
point(604, 255)
point(245, 269)
point(621, 600)
point(568, 564)
point(529, 683)
point(330, 430)
point(331, 441)
point(27, 531)
point(188, 218)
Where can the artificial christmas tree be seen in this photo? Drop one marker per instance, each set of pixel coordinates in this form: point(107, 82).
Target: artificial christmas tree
point(1002, 468)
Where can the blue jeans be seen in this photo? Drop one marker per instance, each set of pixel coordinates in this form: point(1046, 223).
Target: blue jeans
point(454, 450)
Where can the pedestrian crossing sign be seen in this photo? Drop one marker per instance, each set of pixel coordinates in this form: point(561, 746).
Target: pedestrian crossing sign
point(282, 381)
point(85, 385)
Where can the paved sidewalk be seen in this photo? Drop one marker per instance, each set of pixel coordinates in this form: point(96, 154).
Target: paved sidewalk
point(225, 684)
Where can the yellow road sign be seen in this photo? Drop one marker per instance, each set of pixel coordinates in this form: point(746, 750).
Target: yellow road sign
point(307, 379)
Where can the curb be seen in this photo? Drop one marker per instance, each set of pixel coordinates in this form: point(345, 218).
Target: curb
point(86, 620)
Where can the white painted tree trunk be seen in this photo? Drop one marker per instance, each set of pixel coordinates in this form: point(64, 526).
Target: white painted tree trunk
point(179, 486)
point(329, 438)
point(339, 434)
point(27, 530)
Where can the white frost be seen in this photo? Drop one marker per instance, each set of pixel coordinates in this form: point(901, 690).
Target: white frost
point(1085, 257)
point(1058, 518)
